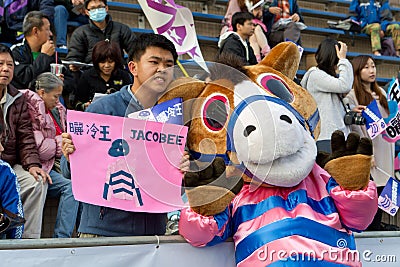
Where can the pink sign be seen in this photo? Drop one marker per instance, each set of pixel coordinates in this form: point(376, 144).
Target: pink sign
point(125, 163)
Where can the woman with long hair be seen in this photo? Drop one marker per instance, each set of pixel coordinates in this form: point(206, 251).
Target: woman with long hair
point(365, 90)
point(327, 88)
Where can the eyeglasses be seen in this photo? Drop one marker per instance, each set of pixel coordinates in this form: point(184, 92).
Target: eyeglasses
point(96, 7)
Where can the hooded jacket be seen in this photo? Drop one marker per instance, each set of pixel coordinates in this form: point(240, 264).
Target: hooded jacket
point(86, 36)
point(48, 144)
point(231, 42)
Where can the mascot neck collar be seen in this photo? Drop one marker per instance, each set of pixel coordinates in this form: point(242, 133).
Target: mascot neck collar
point(209, 157)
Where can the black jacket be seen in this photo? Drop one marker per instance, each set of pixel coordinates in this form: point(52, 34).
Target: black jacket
point(91, 83)
point(233, 44)
point(26, 69)
point(86, 36)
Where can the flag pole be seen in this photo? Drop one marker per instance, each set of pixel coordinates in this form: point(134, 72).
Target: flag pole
point(182, 68)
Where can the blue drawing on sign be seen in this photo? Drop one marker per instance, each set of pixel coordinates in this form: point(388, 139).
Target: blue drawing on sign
point(144, 113)
point(393, 211)
point(385, 203)
point(119, 148)
point(123, 186)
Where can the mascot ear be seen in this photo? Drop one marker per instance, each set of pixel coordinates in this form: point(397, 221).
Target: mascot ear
point(285, 58)
point(185, 87)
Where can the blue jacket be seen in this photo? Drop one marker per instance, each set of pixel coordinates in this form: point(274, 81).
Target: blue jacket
point(108, 221)
point(9, 196)
point(372, 11)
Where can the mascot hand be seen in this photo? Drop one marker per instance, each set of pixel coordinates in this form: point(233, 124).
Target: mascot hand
point(208, 189)
point(350, 160)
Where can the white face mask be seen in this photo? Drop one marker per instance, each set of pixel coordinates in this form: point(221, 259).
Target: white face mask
point(98, 14)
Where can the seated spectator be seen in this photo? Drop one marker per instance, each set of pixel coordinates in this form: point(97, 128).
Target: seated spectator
point(20, 149)
point(327, 88)
point(377, 21)
point(105, 77)
point(48, 118)
point(258, 40)
point(237, 41)
point(100, 27)
point(11, 212)
point(278, 32)
point(35, 54)
point(14, 13)
point(65, 11)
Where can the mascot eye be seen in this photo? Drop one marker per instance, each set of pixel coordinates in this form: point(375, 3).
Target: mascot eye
point(275, 85)
point(215, 112)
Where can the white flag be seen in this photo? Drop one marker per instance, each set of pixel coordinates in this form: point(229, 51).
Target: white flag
point(176, 23)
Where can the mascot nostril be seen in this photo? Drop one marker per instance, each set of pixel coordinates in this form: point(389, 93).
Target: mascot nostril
point(286, 118)
point(248, 130)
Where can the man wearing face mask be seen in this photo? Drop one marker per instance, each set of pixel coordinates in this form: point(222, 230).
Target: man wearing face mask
point(100, 27)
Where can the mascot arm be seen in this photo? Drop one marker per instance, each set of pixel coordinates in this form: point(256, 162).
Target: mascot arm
point(209, 189)
point(349, 165)
point(357, 208)
point(201, 230)
point(350, 161)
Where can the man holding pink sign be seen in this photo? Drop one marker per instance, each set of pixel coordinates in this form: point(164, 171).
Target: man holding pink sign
point(149, 61)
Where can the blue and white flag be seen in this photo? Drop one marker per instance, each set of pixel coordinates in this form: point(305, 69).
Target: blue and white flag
point(373, 120)
point(388, 200)
point(168, 112)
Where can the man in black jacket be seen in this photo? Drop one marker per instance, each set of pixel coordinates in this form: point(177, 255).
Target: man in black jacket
point(36, 52)
point(100, 27)
point(34, 55)
point(14, 13)
point(237, 42)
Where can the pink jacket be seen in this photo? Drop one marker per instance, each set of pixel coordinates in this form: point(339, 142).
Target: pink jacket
point(48, 144)
point(309, 223)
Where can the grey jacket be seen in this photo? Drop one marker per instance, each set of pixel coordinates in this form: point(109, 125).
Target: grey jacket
point(326, 90)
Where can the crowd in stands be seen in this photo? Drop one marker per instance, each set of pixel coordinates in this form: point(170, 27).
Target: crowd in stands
point(35, 147)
